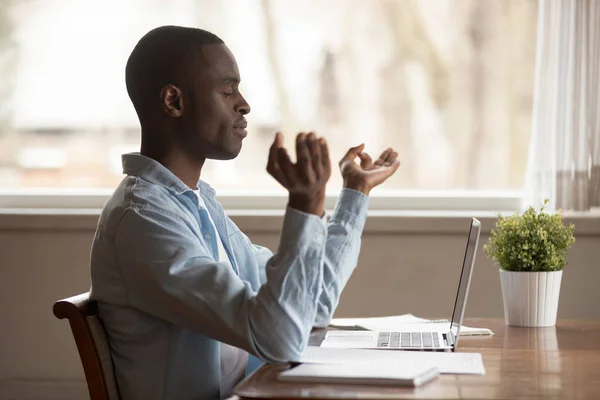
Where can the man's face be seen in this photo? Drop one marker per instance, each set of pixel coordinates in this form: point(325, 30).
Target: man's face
point(215, 107)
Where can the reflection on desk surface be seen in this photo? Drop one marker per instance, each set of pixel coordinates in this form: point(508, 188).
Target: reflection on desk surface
point(521, 363)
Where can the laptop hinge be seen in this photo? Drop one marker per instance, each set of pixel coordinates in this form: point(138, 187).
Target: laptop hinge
point(450, 338)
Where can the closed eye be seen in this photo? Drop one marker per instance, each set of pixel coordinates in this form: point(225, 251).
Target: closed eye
point(229, 90)
point(229, 86)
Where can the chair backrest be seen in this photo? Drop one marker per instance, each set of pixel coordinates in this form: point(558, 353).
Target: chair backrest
point(92, 345)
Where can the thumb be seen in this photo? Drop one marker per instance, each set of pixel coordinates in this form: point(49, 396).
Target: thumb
point(365, 160)
point(278, 140)
point(353, 152)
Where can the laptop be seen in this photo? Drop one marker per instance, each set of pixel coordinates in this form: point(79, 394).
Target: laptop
point(424, 339)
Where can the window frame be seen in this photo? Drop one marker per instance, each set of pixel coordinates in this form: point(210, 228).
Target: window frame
point(256, 202)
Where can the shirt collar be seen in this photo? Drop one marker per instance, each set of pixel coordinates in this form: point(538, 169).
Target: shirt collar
point(151, 170)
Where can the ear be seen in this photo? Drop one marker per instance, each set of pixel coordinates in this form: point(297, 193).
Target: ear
point(171, 100)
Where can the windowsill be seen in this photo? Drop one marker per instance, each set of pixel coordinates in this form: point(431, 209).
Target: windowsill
point(388, 199)
point(269, 221)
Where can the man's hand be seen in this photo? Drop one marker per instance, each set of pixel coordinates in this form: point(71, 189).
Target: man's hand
point(368, 174)
point(306, 179)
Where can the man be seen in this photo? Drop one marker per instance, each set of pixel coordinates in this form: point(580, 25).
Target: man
point(188, 302)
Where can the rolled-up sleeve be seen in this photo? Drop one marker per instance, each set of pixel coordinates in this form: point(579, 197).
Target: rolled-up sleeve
point(170, 274)
point(342, 249)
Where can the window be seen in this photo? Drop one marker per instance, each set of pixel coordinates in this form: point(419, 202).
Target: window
point(448, 83)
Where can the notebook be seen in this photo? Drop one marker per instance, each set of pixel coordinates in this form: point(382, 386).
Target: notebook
point(408, 375)
point(402, 322)
point(446, 362)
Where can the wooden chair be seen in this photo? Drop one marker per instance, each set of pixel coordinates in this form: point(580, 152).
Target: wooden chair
point(92, 345)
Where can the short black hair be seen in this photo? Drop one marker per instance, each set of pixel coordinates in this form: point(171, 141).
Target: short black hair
point(163, 56)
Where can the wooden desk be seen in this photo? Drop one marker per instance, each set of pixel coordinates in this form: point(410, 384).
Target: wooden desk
point(562, 362)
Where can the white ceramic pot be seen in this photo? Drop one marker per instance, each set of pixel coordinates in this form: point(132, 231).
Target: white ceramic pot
point(530, 298)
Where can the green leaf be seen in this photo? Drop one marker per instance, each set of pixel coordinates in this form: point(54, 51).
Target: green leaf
point(532, 241)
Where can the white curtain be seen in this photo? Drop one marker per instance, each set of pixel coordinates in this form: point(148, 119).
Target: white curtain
point(564, 154)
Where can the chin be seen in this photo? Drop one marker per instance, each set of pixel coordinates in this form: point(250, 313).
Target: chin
point(229, 156)
point(226, 154)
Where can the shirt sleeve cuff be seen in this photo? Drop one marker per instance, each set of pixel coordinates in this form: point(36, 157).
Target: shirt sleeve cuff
point(299, 226)
point(351, 208)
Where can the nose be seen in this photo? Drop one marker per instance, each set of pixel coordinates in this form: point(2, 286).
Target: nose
point(243, 106)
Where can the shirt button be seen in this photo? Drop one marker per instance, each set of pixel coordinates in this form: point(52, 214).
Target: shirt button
point(207, 236)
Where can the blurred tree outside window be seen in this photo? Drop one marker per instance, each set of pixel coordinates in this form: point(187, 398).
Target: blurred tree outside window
point(448, 83)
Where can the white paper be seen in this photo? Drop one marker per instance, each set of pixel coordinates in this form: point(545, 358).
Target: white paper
point(407, 322)
point(408, 375)
point(446, 362)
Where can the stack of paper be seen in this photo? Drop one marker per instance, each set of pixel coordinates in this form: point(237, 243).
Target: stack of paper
point(445, 362)
point(406, 322)
point(380, 374)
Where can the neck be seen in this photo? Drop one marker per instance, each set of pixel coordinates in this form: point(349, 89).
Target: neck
point(184, 167)
point(176, 160)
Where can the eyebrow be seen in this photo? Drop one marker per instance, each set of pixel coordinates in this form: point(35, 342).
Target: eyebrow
point(231, 80)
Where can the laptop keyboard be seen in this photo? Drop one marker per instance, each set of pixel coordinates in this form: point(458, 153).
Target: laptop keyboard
point(408, 339)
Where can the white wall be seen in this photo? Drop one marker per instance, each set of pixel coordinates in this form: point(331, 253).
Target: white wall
point(407, 264)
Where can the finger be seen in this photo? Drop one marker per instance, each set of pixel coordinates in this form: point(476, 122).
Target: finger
point(302, 154)
point(272, 164)
point(278, 139)
point(303, 159)
point(325, 161)
point(394, 166)
point(383, 157)
point(287, 168)
point(380, 175)
point(315, 154)
point(365, 160)
point(390, 159)
point(352, 153)
point(277, 143)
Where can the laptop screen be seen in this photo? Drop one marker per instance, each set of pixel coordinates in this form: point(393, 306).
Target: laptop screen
point(465, 278)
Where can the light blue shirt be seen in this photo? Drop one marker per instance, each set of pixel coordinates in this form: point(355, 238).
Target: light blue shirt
point(166, 303)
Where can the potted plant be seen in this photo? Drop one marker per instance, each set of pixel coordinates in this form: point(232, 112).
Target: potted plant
point(531, 250)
